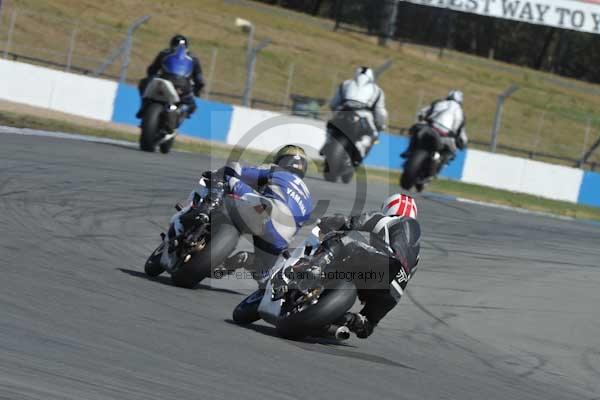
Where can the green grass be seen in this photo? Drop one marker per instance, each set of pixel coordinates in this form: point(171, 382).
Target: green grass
point(321, 58)
point(469, 191)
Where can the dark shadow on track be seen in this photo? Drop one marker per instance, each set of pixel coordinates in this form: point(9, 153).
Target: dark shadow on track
point(324, 346)
point(271, 331)
point(167, 281)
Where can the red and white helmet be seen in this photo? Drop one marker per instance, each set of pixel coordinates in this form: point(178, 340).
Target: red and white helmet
point(399, 205)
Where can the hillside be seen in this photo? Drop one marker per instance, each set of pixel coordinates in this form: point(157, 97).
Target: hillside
point(541, 116)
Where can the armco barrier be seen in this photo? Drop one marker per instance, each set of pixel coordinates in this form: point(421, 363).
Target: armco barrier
point(589, 193)
point(105, 100)
point(56, 90)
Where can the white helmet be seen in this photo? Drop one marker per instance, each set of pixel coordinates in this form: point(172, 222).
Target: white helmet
point(456, 95)
point(364, 75)
point(399, 205)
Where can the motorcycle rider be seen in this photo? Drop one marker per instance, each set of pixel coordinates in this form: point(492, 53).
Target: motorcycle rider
point(364, 97)
point(281, 188)
point(394, 246)
point(446, 117)
point(191, 88)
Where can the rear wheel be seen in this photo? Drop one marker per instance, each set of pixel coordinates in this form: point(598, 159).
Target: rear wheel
point(330, 177)
point(348, 177)
point(153, 267)
point(224, 239)
point(412, 168)
point(338, 297)
point(166, 146)
point(337, 160)
point(150, 127)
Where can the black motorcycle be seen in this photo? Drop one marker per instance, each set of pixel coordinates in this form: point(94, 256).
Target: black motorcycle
point(298, 301)
point(425, 159)
point(340, 151)
point(208, 238)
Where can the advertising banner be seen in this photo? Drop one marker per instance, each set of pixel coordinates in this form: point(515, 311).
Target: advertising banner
point(576, 15)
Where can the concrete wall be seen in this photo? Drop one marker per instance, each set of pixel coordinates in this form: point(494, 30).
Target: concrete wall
point(56, 90)
point(522, 175)
point(264, 130)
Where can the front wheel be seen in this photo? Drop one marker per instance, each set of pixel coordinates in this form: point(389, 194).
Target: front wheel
point(150, 127)
point(153, 267)
point(247, 311)
point(412, 168)
point(339, 296)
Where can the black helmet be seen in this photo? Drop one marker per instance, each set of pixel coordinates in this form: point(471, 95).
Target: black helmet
point(292, 158)
point(177, 40)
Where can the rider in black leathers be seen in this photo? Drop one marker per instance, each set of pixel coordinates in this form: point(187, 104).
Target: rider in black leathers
point(393, 249)
point(190, 89)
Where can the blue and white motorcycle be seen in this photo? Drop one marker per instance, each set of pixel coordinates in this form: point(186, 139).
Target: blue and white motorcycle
point(163, 112)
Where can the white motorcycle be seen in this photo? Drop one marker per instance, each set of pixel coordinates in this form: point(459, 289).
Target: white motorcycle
point(298, 302)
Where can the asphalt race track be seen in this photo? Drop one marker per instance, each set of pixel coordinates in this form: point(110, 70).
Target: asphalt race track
point(505, 305)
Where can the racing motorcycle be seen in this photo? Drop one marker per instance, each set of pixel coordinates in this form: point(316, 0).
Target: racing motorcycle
point(426, 158)
point(298, 302)
point(345, 133)
point(163, 112)
point(208, 238)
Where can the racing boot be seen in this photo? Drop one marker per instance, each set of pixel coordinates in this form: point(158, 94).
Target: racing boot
point(358, 324)
point(242, 259)
point(142, 109)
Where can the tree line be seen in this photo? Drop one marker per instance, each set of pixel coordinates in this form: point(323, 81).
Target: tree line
point(564, 52)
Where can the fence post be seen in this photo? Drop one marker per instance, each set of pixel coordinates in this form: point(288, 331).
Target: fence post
point(538, 136)
point(71, 47)
point(420, 101)
point(1, 13)
point(588, 153)
point(211, 72)
point(498, 117)
point(11, 29)
point(250, 72)
point(127, 47)
point(586, 137)
point(288, 87)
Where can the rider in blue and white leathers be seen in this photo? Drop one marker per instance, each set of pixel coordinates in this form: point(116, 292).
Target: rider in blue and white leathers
point(271, 203)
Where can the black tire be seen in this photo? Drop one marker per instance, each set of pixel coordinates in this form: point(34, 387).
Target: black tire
point(150, 127)
point(348, 177)
point(247, 311)
point(337, 159)
point(152, 267)
point(412, 168)
point(165, 147)
point(327, 173)
point(224, 239)
point(339, 296)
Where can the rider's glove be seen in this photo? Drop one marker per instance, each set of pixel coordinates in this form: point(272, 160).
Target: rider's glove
point(223, 174)
point(337, 222)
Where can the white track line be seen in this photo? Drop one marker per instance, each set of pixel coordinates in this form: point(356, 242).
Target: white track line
point(64, 135)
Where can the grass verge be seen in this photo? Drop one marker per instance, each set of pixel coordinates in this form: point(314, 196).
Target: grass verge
point(459, 189)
